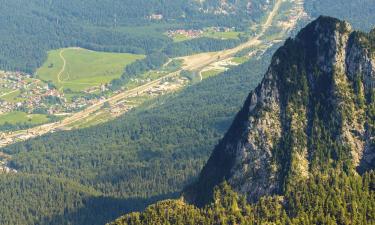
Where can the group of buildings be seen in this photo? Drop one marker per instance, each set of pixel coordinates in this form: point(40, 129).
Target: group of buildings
point(20, 92)
point(186, 33)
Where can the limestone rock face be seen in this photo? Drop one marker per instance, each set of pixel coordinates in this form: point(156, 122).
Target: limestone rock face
point(314, 110)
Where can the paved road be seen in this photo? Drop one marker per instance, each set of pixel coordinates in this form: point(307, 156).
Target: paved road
point(46, 128)
point(199, 61)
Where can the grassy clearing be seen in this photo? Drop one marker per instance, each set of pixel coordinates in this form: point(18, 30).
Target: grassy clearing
point(181, 37)
point(222, 35)
point(23, 118)
point(240, 60)
point(84, 68)
point(93, 120)
point(210, 73)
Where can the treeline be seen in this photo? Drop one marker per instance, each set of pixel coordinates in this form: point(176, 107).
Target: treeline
point(200, 45)
point(331, 198)
point(151, 62)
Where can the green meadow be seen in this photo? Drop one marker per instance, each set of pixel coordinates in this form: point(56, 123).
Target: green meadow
point(23, 118)
point(83, 68)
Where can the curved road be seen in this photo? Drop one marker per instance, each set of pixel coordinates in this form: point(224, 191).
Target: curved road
point(199, 61)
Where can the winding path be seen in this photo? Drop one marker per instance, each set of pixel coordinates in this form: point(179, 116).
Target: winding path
point(63, 67)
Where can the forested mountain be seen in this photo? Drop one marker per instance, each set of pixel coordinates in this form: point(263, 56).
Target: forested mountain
point(28, 29)
point(302, 147)
point(358, 12)
point(121, 166)
point(125, 159)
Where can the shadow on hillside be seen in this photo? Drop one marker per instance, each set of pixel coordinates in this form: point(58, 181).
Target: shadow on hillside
point(101, 210)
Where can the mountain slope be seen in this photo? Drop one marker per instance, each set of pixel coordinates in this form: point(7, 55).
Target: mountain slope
point(125, 159)
point(297, 145)
point(358, 12)
point(28, 29)
point(314, 110)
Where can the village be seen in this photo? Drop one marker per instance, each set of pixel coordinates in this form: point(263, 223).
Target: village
point(21, 92)
point(197, 33)
point(119, 103)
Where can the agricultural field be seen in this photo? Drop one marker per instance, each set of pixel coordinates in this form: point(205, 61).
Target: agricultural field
point(78, 69)
point(23, 118)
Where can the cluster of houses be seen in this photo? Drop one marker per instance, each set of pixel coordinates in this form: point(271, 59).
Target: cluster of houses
point(186, 33)
point(197, 33)
point(13, 80)
point(32, 94)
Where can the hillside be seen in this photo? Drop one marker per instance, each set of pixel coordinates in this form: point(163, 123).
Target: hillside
point(31, 28)
point(301, 150)
point(358, 12)
point(122, 162)
point(124, 159)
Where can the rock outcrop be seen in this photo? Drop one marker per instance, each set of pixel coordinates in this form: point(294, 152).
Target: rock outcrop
point(314, 110)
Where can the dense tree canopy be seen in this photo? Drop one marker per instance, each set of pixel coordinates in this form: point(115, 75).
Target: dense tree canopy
point(328, 198)
point(28, 29)
point(126, 158)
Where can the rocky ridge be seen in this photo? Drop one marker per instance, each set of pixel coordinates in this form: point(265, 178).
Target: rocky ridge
point(314, 110)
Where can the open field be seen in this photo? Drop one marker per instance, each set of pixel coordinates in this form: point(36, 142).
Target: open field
point(210, 73)
point(221, 34)
point(23, 118)
point(12, 96)
point(78, 69)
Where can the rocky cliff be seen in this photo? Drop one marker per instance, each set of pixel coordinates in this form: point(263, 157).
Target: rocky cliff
point(314, 110)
